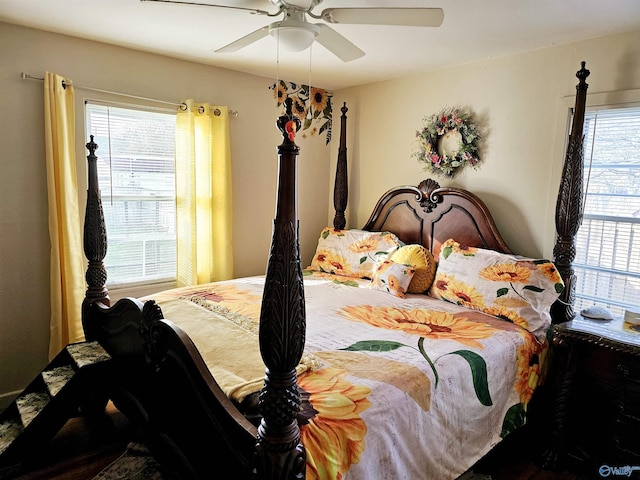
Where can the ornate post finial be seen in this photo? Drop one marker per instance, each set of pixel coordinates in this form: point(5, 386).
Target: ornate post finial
point(91, 146)
point(582, 74)
point(288, 124)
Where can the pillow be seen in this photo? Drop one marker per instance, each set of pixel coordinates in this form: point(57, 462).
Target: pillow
point(422, 261)
point(352, 253)
point(392, 277)
point(520, 290)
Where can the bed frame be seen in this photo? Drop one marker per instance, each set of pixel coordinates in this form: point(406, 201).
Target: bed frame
point(159, 380)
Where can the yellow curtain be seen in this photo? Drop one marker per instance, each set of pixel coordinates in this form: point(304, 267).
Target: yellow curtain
point(203, 194)
point(66, 264)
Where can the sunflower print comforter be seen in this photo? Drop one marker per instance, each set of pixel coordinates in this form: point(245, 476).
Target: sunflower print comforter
point(392, 388)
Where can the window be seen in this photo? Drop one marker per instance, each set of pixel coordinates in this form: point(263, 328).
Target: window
point(137, 182)
point(607, 262)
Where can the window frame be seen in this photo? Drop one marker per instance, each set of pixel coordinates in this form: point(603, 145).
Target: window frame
point(137, 288)
point(600, 101)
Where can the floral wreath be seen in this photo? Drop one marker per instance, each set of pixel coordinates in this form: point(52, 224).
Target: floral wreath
point(311, 105)
point(448, 141)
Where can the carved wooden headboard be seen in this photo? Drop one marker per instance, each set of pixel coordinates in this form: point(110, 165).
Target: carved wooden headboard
point(429, 215)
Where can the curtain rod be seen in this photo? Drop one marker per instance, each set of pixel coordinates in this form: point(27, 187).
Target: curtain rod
point(25, 76)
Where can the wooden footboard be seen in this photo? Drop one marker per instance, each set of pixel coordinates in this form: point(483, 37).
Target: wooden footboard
point(160, 382)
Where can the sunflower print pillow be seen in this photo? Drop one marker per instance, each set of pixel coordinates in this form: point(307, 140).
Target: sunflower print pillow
point(352, 253)
point(392, 277)
point(516, 289)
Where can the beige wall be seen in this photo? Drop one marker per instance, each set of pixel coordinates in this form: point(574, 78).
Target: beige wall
point(521, 101)
point(24, 237)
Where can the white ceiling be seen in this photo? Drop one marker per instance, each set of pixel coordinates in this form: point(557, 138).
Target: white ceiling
point(472, 30)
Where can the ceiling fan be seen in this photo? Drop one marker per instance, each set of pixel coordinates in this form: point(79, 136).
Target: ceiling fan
point(296, 33)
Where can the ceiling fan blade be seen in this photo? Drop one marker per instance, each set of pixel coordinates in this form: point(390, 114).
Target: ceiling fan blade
point(409, 17)
point(185, 2)
point(337, 44)
point(244, 41)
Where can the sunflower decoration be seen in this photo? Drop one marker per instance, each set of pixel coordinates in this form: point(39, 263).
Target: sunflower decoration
point(463, 294)
point(228, 297)
point(432, 324)
point(331, 426)
point(529, 372)
point(428, 324)
point(447, 142)
point(331, 262)
point(311, 105)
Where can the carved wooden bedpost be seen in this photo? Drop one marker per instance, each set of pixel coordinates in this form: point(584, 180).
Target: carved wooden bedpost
point(280, 454)
point(569, 206)
point(95, 234)
point(341, 185)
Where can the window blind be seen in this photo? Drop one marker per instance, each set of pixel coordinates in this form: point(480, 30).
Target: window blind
point(607, 260)
point(136, 171)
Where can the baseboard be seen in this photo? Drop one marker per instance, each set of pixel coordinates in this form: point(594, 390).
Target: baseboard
point(7, 398)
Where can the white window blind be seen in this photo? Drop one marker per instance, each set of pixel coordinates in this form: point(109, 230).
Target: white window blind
point(607, 260)
point(136, 171)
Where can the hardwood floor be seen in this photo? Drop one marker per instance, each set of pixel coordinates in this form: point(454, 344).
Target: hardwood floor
point(83, 448)
point(516, 458)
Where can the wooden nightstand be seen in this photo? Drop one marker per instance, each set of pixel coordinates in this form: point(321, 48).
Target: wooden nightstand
point(597, 402)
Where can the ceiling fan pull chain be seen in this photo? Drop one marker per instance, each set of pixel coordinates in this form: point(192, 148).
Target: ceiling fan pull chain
point(309, 114)
point(277, 60)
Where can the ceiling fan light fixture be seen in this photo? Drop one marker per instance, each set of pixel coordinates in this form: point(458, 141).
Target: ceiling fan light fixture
point(293, 35)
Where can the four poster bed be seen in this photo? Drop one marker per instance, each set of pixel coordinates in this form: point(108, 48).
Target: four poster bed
point(401, 351)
